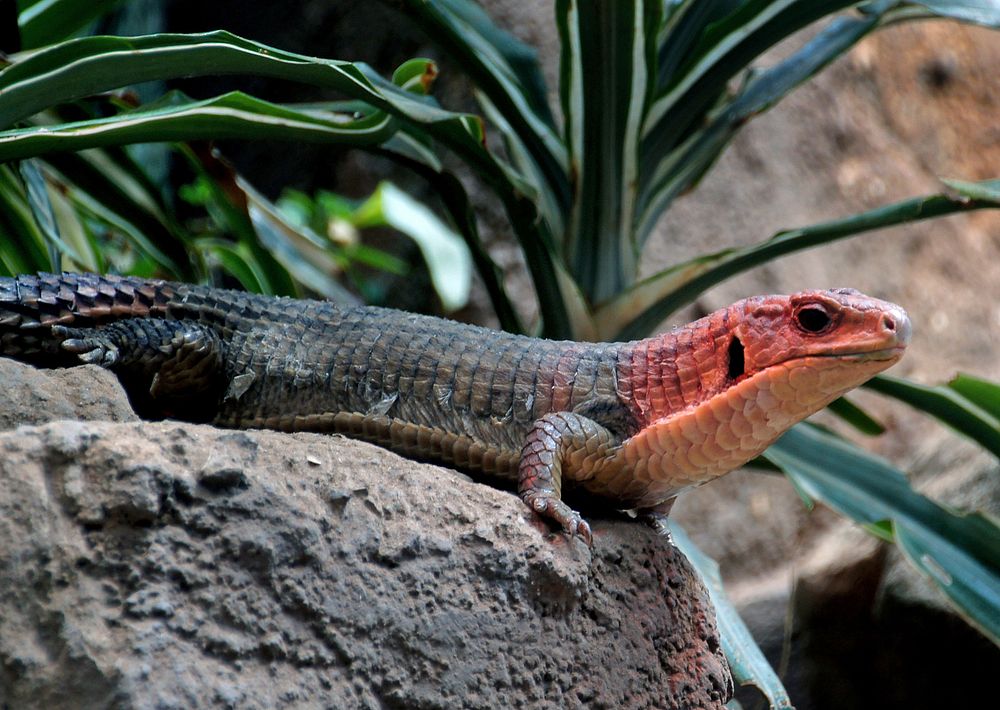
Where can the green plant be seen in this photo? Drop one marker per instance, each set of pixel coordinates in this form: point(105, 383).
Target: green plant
point(646, 89)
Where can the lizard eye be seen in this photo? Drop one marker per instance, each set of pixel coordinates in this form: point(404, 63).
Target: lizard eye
point(812, 319)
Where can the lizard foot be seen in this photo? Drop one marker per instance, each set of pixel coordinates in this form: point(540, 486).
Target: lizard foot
point(659, 525)
point(656, 518)
point(90, 346)
point(550, 507)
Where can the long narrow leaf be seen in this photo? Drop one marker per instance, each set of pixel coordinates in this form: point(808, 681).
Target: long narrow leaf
point(23, 248)
point(549, 203)
point(982, 393)
point(856, 416)
point(76, 233)
point(673, 175)
point(233, 115)
point(452, 194)
point(685, 23)
point(40, 206)
point(982, 12)
point(725, 48)
point(959, 553)
point(643, 307)
point(607, 62)
point(948, 405)
point(505, 70)
point(106, 186)
point(92, 65)
point(49, 21)
point(560, 307)
point(988, 190)
point(219, 193)
point(305, 255)
point(746, 660)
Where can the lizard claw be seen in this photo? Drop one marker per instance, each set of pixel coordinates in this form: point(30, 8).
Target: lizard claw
point(659, 525)
point(554, 509)
point(89, 347)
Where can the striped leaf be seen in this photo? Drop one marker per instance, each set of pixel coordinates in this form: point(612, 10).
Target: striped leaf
point(683, 166)
point(607, 77)
point(25, 247)
point(506, 72)
point(178, 118)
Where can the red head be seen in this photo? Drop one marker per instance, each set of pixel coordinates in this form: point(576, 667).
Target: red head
point(842, 324)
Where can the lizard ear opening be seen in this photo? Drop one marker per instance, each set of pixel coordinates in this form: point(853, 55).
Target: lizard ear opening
point(737, 364)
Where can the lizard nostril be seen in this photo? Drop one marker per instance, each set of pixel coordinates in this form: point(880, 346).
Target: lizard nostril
point(889, 323)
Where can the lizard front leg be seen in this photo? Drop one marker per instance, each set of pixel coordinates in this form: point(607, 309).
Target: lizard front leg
point(175, 362)
point(562, 445)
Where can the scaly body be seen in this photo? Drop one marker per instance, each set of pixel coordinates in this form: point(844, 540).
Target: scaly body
point(631, 423)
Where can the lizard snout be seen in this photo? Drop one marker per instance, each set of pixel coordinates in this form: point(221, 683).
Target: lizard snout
point(896, 325)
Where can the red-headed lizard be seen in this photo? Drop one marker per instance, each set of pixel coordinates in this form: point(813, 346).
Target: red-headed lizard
point(631, 424)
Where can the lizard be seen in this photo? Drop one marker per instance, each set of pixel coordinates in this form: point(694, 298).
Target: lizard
point(630, 424)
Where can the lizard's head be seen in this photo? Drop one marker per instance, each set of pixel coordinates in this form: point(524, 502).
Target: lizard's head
point(736, 380)
point(843, 332)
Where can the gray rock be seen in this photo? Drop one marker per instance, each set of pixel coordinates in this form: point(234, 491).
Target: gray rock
point(33, 397)
point(173, 565)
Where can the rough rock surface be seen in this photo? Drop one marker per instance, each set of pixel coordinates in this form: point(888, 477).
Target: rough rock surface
point(173, 565)
point(89, 393)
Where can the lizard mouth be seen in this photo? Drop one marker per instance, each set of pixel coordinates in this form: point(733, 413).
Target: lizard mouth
point(892, 353)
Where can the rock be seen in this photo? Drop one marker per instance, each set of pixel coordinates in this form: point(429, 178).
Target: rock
point(87, 393)
point(174, 565)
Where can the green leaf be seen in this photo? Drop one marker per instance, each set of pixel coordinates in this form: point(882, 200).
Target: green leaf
point(48, 21)
point(108, 187)
point(91, 65)
point(23, 249)
point(607, 59)
point(987, 191)
point(217, 189)
point(678, 171)
point(747, 661)
point(236, 261)
point(84, 253)
point(548, 202)
point(560, 307)
point(959, 553)
point(982, 393)
point(856, 416)
point(445, 253)
point(641, 308)
point(233, 115)
point(725, 48)
point(505, 70)
point(983, 12)
point(37, 193)
point(305, 255)
point(453, 196)
point(950, 406)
